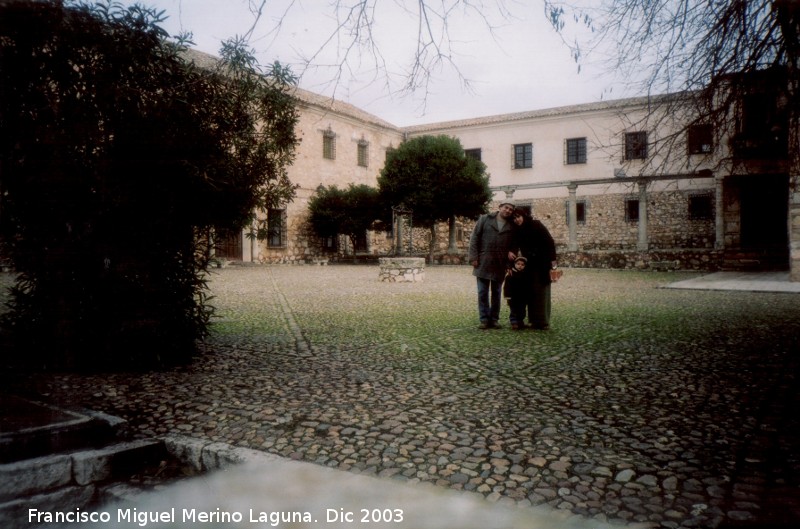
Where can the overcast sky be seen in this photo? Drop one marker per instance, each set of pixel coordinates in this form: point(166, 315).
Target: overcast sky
point(524, 66)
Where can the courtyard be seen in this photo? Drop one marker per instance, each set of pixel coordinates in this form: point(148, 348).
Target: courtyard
point(641, 404)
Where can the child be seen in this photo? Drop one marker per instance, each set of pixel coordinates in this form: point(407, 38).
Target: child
point(515, 289)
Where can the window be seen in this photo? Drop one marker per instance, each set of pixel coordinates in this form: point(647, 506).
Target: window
point(635, 145)
point(329, 145)
point(363, 153)
point(276, 228)
point(473, 153)
point(758, 113)
point(361, 243)
point(701, 207)
point(762, 128)
point(523, 156)
point(632, 210)
point(580, 211)
point(330, 244)
point(576, 150)
point(700, 139)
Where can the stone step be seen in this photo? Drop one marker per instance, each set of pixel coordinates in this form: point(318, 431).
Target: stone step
point(80, 479)
point(766, 259)
point(54, 459)
point(30, 428)
point(81, 468)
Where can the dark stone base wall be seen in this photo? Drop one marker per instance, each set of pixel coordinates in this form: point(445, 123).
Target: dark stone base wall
point(663, 260)
point(674, 259)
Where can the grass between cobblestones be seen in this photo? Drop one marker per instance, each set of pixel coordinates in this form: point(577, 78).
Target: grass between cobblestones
point(349, 307)
point(640, 404)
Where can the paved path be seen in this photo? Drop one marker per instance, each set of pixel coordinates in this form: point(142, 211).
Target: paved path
point(642, 404)
point(746, 281)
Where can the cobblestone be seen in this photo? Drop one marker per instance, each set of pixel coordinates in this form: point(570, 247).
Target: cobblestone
point(639, 405)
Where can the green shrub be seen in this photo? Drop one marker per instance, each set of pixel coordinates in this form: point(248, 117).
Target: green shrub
point(119, 158)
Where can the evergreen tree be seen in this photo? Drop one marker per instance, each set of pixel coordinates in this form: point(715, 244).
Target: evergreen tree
point(432, 176)
point(118, 157)
point(349, 212)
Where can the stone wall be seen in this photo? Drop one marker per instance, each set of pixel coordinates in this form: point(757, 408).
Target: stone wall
point(662, 260)
point(606, 227)
point(301, 245)
point(605, 240)
point(402, 269)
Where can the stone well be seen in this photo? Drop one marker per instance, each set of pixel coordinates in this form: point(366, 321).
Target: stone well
point(402, 269)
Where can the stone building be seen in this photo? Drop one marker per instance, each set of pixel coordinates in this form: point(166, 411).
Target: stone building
point(616, 182)
point(339, 145)
point(594, 175)
point(620, 184)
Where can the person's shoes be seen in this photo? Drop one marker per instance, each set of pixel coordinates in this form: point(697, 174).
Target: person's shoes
point(483, 326)
point(496, 325)
point(540, 327)
point(515, 327)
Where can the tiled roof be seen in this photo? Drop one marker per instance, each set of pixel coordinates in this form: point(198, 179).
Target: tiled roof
point(339, 107)
point(326, 104)
point(536, 114)
point(334, 105)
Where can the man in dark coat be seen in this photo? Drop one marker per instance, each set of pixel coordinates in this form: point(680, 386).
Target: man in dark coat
point(489, 254)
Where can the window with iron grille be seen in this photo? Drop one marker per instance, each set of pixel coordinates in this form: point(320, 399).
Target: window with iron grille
point(363, 153)
point(700, 139)
point(329, 145)
point(701, 207)
point(523, 156)
point(636, 145)
point(580, 211)
point(632, 210)
point(576, 150)
point(473, 153)
point(276, 228)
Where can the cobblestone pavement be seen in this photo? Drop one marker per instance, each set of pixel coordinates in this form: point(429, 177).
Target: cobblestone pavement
point(640, 404)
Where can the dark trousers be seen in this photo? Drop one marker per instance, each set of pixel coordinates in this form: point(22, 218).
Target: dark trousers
point(539, 306)
point(536, 305)
point(517, 306)
point(489, 298)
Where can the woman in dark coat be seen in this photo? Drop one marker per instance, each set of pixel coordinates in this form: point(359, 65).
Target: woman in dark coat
point(534, 242)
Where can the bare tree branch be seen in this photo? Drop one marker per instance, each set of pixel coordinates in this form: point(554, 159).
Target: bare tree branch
point(434, 47)
point(703, 50)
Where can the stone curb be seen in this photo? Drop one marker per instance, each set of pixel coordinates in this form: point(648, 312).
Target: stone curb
point(14, 514)
point(207, 456)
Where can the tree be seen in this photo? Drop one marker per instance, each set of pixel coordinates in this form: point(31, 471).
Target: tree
point(432, 176)
point(118, 158)
point(707, 53)
point(350, 212)
point(356, 43)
